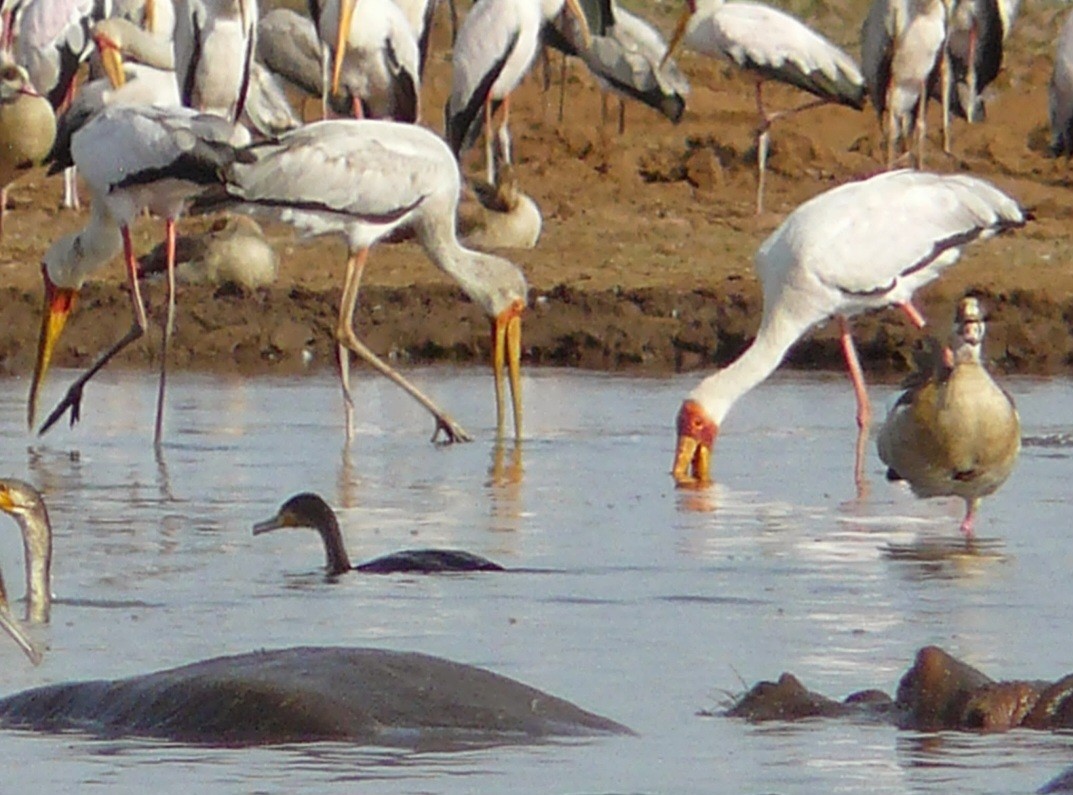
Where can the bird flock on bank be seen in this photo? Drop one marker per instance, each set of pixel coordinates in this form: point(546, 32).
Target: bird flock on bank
point(186, 108)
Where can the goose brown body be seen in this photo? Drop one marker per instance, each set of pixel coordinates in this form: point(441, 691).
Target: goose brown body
point(957, 433)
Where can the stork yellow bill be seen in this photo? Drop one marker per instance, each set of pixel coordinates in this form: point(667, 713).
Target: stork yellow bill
point(507, 346)
point(680, 26)
point(57, 307)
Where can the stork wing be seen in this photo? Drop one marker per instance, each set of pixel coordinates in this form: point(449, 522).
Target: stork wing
point(779, 46)
point(864, 237)
point(366, 169)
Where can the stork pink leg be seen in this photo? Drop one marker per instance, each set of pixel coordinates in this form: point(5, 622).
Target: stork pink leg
point(864, 406)
point(913, 314)
point(169, 324)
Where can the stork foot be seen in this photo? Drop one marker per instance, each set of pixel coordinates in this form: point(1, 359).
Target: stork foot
point(73, 401)
point(451, 430)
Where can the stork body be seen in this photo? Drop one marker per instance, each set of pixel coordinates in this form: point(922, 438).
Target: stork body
point(419, 15)
point(494, 50)
point(133, 159)
point(770, 45)
point(861, 246)
point(627, 62)
point(362, 180)
point(976, 41)
point(214, 45)
point(902, 57)
point(373, 53)
point(1061, 92)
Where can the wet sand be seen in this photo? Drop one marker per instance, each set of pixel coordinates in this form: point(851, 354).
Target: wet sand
point(645, 263)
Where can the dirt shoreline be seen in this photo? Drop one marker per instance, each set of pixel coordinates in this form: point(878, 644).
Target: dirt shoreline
point(645, 264)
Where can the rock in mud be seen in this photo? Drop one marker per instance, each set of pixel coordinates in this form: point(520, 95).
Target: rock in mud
point(367, 696)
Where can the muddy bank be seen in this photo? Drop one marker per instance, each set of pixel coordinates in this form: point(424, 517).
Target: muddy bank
point(645, 261)
point(287, 329)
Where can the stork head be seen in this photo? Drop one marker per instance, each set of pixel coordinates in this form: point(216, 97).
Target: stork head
point(110, 50)
point(574, 7)
point(346, 15)
point(693, 452)
point(688, 10)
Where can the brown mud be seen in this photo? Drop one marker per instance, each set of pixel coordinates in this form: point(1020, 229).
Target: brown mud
point(645, 263)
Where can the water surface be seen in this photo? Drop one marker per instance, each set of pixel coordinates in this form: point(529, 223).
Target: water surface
point(648, 604)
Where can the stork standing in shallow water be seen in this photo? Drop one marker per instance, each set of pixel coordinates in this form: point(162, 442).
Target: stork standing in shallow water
point(861, 246)
point(771, 45)
point(132, 158)
point(362, 180)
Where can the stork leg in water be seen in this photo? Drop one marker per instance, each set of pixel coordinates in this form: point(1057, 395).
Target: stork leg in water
point(73, 399)
point(762, 137)
point(864, 405)
point(169, 325)
point(348, 341)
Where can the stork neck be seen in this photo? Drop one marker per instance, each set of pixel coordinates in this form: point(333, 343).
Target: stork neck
point(721, 390)
point(72, 258)
point(473, 270)
point(37, 553)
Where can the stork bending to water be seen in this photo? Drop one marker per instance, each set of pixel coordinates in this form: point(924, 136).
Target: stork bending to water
point(362, 180)
point(861, 246)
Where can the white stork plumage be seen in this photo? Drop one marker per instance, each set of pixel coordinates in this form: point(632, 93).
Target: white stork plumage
point(132, 158)
point(214, 46)
point(771, 45)
point(52, 40)
point(27, 129)
point(1061, 92)
point(494, 50)
point(861, 246)
point(976, 38)
point(902, 58)
point(288, 46)
point(153, 16)
point(955, 432)
point(627, 60)
point(373, 52)
point(419, 14)
point(362, 180)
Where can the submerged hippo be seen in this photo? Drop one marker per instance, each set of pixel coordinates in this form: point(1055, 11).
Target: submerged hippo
point(367, 696)
point(939, 692)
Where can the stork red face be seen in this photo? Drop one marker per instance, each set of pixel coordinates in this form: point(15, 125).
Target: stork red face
point(693, 453)
point(58, 304)
point(688, 10)
point(111, 59)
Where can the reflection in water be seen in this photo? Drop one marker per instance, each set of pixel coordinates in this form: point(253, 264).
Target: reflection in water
point(504, 486)
point(671, 591)
point(347, 480)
